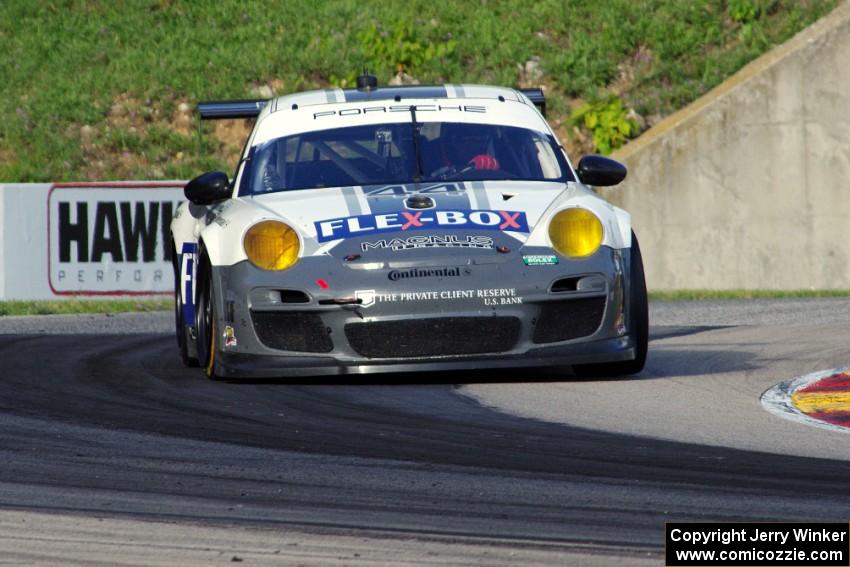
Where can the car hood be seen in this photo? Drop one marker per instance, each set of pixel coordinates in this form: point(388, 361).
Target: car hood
point(461, 222)
point(334, 215)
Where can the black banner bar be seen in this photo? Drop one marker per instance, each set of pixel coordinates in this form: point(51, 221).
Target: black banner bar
point(745, 544)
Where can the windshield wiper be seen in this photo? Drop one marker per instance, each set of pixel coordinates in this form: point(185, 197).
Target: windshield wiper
point(416, 147)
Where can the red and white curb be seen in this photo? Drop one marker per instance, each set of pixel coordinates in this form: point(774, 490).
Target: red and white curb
point(784, 398)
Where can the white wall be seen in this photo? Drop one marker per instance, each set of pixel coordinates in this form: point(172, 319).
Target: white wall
point(47, 252)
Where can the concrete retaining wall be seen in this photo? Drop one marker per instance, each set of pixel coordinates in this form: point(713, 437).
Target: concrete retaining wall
point(749, 187)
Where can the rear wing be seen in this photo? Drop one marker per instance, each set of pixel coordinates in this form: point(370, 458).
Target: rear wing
point(248, 108)
point(221, 109)
point(537, 97)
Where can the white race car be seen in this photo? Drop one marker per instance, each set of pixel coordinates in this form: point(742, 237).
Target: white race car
point(405, 229)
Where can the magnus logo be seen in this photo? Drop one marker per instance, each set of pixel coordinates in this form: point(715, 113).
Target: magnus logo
point(364, 225)
point(429, 241)
point(111, 240)
point(395, 275)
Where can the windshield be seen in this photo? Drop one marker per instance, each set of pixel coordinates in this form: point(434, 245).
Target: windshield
point(389, 153)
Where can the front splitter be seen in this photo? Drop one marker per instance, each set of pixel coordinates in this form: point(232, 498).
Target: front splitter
point(235, 365)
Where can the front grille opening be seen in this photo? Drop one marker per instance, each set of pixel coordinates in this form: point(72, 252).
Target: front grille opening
point(303, 332)
point(565, 284)
point(566, 320)
point(293, 296)
point(586, 283)
point(444, 336)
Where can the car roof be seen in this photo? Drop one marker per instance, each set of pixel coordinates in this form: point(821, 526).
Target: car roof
point(396, 94)
point(322, 109)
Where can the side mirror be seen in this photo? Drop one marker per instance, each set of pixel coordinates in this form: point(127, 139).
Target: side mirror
point(600, 171)
point(208, 188)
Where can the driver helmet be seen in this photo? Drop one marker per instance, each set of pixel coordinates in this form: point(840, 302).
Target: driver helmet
point(469, 143)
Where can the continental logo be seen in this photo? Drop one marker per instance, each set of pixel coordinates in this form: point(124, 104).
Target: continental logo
point(396, 275)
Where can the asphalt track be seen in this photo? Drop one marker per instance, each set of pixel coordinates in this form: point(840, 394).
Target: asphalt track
point(111, 452)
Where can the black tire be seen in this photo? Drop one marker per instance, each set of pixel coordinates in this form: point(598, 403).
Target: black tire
point(638, 325)
point(180, 330)
point(205, 321)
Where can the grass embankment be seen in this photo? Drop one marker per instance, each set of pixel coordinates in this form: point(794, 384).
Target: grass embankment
point(76, 307)
point(97, 90)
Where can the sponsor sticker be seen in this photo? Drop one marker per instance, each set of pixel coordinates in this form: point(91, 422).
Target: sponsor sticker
point(499, 296)
point(364, 225)
point(540, 260)
point(365, 296)
point(396, 275)
point(229, 337)
point(188, 269)
point(490, 297)
point(428, 241)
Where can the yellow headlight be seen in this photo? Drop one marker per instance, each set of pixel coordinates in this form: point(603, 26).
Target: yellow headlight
point(575, 232)
point(271, 245)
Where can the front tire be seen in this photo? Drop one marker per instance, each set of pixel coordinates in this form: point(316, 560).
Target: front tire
point(205, 322)
point(638, 324)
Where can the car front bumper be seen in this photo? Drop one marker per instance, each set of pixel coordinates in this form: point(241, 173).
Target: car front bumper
point(322, 317)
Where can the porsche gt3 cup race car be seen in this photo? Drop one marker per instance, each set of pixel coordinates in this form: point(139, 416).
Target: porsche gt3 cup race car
point(405, 229)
